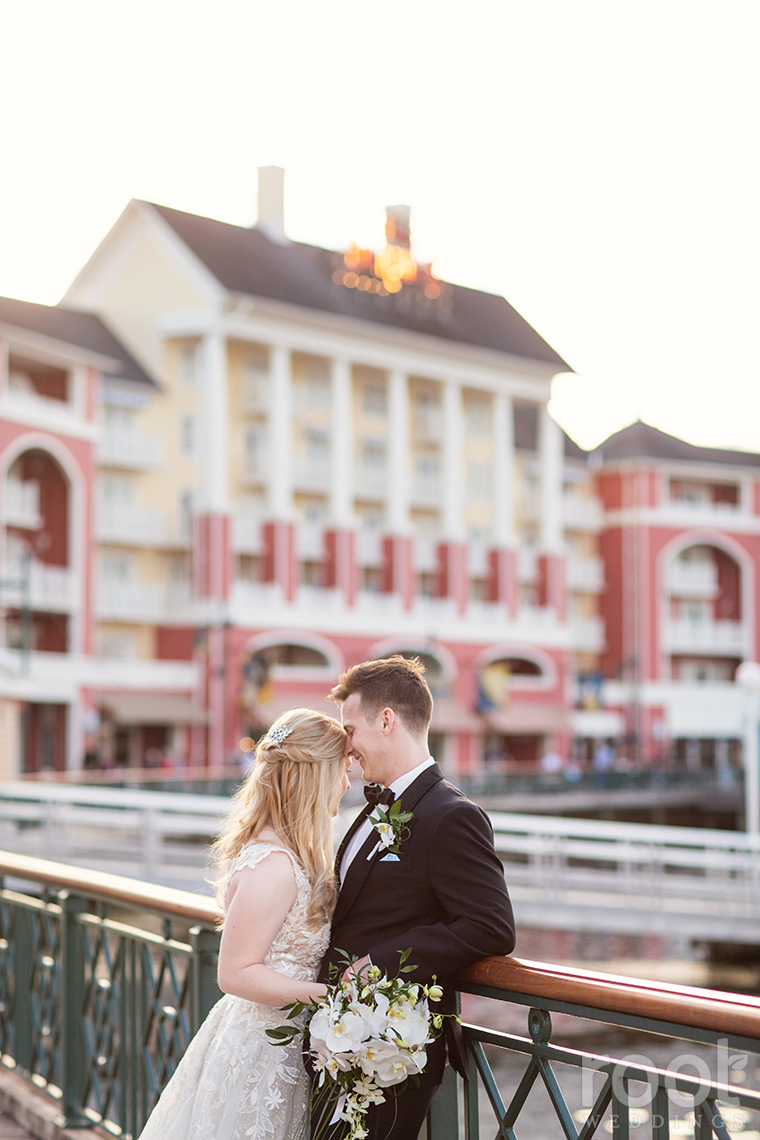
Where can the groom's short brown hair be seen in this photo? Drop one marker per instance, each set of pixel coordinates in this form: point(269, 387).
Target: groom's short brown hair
point(392, 682)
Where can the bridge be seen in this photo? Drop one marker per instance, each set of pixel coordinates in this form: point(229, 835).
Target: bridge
point(562, 873)
point(104, 979)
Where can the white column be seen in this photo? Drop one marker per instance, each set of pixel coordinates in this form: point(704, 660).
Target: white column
point(341, 445)
point(280, 449)
point(503, 471)
point(214, 427)
point(551, 457)
point(453, 473)
point(399, 456)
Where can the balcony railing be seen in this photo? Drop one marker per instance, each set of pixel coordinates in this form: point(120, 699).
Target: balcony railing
point(581, 512)
point(133, 526)
point(693, 580)
point(426, 491)
point(132, 449)
point(97, 1010)
point(312, 475)
point(21, 504)
point(585, 574)
point(681, 635)
point(587, 634)
point(131, 601)
point(51, 588)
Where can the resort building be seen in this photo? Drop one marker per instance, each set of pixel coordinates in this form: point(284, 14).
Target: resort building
point(233, 464)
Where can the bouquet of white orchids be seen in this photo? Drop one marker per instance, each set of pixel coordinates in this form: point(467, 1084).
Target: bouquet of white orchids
point(369, 1033)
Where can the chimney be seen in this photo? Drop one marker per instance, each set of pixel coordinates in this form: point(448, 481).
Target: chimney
point(397, 231)
point(271, 214)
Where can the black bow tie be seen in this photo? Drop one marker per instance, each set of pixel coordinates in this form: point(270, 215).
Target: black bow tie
point(377, 794)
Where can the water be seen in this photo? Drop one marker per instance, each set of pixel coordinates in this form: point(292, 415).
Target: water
point(666, 959)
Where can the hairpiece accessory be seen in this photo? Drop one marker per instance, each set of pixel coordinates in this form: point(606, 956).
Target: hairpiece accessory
point(277, 735)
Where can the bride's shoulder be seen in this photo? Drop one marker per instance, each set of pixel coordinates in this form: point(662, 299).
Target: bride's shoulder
point(259, 849)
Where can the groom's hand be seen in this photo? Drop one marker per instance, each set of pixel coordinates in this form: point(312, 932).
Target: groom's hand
point(356, 970)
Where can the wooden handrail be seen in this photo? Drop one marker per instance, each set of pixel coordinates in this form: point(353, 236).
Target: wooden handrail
point(111, 888)
point(712, 1010)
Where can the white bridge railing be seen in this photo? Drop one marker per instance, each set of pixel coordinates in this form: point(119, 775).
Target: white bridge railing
point(563, 873)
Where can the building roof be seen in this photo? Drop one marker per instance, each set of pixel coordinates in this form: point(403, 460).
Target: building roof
point(248, 261)
point(70, 326)
point(642, 441)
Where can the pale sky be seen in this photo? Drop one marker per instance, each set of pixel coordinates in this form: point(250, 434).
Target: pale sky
point(595, 161)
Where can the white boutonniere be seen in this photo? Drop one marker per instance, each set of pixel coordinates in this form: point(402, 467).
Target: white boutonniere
point(392, 825)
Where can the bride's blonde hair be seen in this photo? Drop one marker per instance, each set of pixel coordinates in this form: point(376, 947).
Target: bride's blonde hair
point(293, 788)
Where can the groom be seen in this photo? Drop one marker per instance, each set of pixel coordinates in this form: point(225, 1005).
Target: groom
point(443, 895)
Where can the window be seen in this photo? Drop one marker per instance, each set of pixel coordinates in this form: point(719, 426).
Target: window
point(116, 567)
point(255, 446)
point(187, 435)
point(188, 364)
point(116, 490)
point(317, 447)
point(428, 465)
point(479, 480)
point(373, 454)
point(374, 398)
point(477, 416)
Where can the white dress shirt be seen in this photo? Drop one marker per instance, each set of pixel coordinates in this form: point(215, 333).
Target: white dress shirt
point(361, 835)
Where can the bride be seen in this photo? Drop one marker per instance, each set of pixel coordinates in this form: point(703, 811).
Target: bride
point(277, 888)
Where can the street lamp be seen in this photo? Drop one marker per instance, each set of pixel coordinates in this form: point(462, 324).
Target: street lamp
point(748, 680)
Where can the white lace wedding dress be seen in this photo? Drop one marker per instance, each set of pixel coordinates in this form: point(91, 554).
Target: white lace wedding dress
point(233, 1083)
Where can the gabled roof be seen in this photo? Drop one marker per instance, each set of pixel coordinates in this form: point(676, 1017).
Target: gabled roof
point(84, 330)
point(642, 441)
point(247, 261)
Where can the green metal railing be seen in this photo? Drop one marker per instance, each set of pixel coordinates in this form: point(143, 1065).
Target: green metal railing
point(103, 981)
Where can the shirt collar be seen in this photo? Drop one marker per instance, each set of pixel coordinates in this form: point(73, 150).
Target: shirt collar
point(402, 783)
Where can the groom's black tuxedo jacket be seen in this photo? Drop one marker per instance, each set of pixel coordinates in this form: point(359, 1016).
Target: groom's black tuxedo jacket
point(445, 897)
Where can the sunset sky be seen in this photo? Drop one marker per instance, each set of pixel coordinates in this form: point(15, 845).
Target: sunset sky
point(595, 161)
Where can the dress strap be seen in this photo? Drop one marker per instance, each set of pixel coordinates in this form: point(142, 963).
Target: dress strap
point(253, 854)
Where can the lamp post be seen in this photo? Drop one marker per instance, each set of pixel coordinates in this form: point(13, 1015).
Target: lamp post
point(748, 680)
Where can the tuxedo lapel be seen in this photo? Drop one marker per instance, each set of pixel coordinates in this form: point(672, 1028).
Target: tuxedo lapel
point(365, 857)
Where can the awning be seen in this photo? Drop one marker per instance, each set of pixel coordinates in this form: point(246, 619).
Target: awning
point(451, 716)
point(528, 719)
point(153, 708)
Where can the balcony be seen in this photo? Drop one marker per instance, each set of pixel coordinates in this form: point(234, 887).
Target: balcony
point(132, 449)
point(705, 637)
point(255, 467)
point(310, 541)
point(256, 394)
point(51, 588)
point(582, 512)
point(246, 534)
point(425, 491)
point(527, 564)
point(312, 475)
point(585, 574)
point(587, 634)
point(371, 482)
point(131, 601)
point(21, 504)
point(427, 425)
point(131, 526)
point(369, 547)
point(692, 579)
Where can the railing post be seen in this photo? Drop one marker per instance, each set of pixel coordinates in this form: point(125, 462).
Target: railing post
point(443, 1114)
point(205, 991)
point(23, 970)
point(72, 1038)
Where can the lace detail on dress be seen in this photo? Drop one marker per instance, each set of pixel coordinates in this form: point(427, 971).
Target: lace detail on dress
point(233, 1083)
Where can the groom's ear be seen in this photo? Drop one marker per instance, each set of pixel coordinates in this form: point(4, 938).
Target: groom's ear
point(388, 719)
